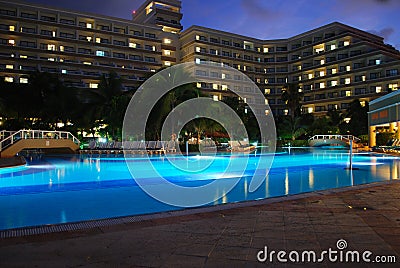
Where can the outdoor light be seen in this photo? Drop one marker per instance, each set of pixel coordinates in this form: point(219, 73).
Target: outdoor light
point(347, 120)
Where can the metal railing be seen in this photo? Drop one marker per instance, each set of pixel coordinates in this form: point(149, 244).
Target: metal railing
point(335, 137)
point(10, 137)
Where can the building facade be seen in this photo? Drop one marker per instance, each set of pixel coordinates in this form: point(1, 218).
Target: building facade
point(332, 65)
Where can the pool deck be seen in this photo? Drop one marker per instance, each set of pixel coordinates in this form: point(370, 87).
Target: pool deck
point(367, 217)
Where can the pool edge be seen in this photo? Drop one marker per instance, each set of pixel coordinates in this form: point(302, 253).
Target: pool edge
point(109, 222)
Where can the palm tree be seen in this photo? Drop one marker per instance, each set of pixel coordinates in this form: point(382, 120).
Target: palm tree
point(292, 97)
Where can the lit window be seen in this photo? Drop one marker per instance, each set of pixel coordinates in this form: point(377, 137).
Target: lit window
point(286, 111)
point(346, 43)
point(167, 63)
point(215, 86)
point(167, 41)
point(198, 49)
point(88, 63)
point(63, 71)
point(9, 79)
point(319, 50)
point(93, 85)
point(244, 68)
point(167, 52)
point(223, 76)
point(362, 103)
point(322, 73)
point(89, 25)
point(224, 87)
point(11, 42)
point(310, 76)
point(377, 62)
point(266, 50)
point(334, 71)
point(333, 47)
point(322, 85)
point(378, 89)
point(363, 78)
point(198, 61)
point(89, 38)
point(100, 53)
point(265, 101)
point(51, 47)
point(334, 83)
point(245, 100)
point(54, 33)
point(348, 68)
point(23, 56)
point(61, 48)
point(23, 80)
point(9, 66)
point(393, 86)
point(347, 81)
point(98, 40)
point(197, 37)
point(310, 110)
point(348, 93)
point(12, 28)
point(198, 85)
point(51, 59)
point(322, 62)
point(215, 98)
point(61, 60)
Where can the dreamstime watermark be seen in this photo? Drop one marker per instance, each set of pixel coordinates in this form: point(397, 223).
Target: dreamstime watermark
point(340, 254)
point(145, 100)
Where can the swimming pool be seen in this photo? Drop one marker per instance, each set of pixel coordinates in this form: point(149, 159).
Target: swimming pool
point(77, 188)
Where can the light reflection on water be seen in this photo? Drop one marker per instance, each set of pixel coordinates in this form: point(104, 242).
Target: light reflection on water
point(68, 189)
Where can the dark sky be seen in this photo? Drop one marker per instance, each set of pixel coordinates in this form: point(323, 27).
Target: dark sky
point(266, 19)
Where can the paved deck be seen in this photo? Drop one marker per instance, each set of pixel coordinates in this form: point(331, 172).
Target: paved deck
point(367, 217)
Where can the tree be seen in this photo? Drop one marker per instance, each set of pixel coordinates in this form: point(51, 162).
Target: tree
point(289, 127)
point(292, 98)
point(358, 114)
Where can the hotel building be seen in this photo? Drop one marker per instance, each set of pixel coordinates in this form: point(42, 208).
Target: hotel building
point(332, 65)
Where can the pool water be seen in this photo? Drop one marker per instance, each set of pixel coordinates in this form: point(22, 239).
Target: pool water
point(77, 188)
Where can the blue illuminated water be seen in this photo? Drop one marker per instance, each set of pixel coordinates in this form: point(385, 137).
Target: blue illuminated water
point(76, 188)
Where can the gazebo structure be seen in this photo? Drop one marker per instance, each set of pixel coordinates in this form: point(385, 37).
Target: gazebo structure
point(384, 112)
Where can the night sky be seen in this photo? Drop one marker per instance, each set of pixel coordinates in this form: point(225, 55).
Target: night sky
point(266, 19)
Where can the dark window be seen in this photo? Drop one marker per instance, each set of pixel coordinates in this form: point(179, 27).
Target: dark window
point(7, 12)
point(28, 30)
point(27, 44)
point(392, 72)
point(281, 49)
point(119, 55)
point(67, 21)
point(71, 36)
point(214, 40)
point(48, 18)
point(150, 35)
point(28, 15)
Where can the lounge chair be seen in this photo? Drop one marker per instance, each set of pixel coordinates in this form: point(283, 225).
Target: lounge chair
point(241, 146)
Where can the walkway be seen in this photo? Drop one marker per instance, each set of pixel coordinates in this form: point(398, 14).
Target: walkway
point(329, 140)
point(12, 142)
point(367, 217)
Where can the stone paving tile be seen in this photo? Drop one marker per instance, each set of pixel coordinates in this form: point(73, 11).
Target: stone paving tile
point(228, 238)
